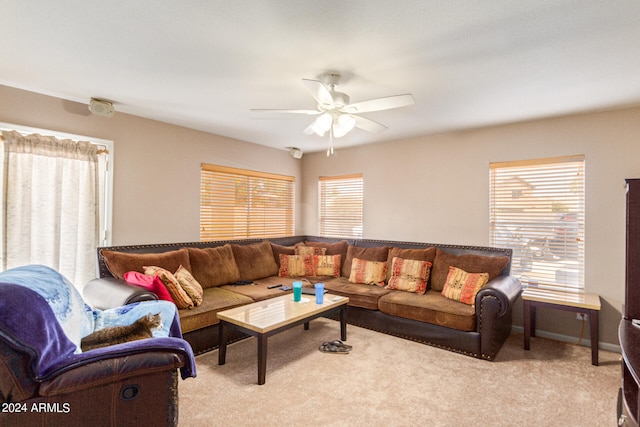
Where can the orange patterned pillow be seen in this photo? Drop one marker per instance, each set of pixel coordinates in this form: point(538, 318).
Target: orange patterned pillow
point(179, 296)
point(296, 265)
point(368, 272)
point(326, 265)
point(190, 285)
point(309, 250)
point(462, 286)
point(409, 275)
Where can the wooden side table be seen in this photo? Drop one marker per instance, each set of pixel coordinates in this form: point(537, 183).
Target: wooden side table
point(584, 303)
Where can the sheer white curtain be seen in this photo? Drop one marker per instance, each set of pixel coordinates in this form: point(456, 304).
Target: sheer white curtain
point(50, 204)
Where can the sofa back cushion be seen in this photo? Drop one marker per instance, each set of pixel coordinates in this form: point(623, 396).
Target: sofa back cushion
point(214, 266)
point(281, 250)
point(378, 254)
point(470, 263)
point(119, 263)
point(255, 261)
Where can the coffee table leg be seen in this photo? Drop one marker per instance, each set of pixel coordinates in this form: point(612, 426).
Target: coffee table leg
point(343, 323)
point(262, 358)
point(593, 317)
point(306, 326)
point(222, 345)
point(526, 315)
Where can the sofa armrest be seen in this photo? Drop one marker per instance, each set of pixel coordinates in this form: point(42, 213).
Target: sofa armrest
point(108, 292)
point(506, 289)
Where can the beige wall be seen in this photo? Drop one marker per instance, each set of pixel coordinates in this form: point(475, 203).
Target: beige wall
point(435, 189)
point(429, 189)
point(156, 195)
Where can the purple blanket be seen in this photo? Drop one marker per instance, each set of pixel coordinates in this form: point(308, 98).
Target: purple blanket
point(29, 324)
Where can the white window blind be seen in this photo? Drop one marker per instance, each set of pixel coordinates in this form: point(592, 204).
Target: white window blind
point(239, 203)
point(341, 201)
point(537, 209)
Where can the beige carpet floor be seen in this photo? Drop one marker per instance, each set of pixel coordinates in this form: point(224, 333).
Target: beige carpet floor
point(389, 381)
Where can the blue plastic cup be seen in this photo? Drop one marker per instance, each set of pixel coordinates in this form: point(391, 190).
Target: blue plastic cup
point(297, 291)
point(319, 293)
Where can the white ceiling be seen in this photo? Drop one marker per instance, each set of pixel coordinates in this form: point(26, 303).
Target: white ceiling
point(204, 64)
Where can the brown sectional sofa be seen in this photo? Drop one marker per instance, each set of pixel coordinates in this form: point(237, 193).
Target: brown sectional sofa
point(478, 330)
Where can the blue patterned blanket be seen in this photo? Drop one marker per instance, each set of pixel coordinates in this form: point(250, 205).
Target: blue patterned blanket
point(42, 311)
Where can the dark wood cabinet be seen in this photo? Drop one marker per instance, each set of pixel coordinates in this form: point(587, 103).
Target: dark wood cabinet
point(628, 332)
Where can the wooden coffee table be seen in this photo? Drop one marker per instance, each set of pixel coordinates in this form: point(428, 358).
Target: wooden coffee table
point(265, 318)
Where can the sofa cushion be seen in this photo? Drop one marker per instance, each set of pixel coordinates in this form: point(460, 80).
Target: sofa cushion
point(428, 254)
point(255, 261)
point(368, 272)
point(259, 289)
point(190, 285)
point(470, 263)
point(150, 283)
point(409, 275)
point(338, 248)
point(215, 299)
point(119, 263)
point(179, 296)
point(431, 307)
point(214, 266)
point(462, 286)
point(360, 295)
point(279, 249)
point(379, 254)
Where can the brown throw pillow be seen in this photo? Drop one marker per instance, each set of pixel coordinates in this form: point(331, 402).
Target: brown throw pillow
point(214, 266)
point(190, 285)
point(118, 263)
point(255, 261)
point(179, 296)
point(469, 263)
point(378, 254)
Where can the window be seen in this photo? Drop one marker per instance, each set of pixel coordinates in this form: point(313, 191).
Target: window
point(56, 200)
point(239, 203)
point(341, 205)
point(537, 209)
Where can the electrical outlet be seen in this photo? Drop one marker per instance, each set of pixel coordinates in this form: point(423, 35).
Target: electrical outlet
point(582, 316)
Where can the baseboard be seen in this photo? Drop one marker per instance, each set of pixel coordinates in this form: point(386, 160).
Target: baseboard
point(585, 342)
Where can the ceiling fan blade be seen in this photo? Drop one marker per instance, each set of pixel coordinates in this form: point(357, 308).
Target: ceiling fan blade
point(369, 125)
point(267, 110)
point(319, 92)
point(378, 104)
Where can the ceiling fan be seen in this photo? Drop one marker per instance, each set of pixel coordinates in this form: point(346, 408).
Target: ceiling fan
point(336, 115)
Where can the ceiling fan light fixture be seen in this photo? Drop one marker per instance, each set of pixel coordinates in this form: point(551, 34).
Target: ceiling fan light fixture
point(343, 125)
point(322, 124)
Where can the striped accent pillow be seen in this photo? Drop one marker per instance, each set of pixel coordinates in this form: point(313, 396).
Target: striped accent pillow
point(179, 296)
point(409, 275)
point(368, 272)
point(190, 285)
point(309, 250)
point(327, 265)
point(462, 286)
point(296, 265)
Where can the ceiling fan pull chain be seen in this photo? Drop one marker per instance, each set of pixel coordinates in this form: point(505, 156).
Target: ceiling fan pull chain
point(330, 151)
